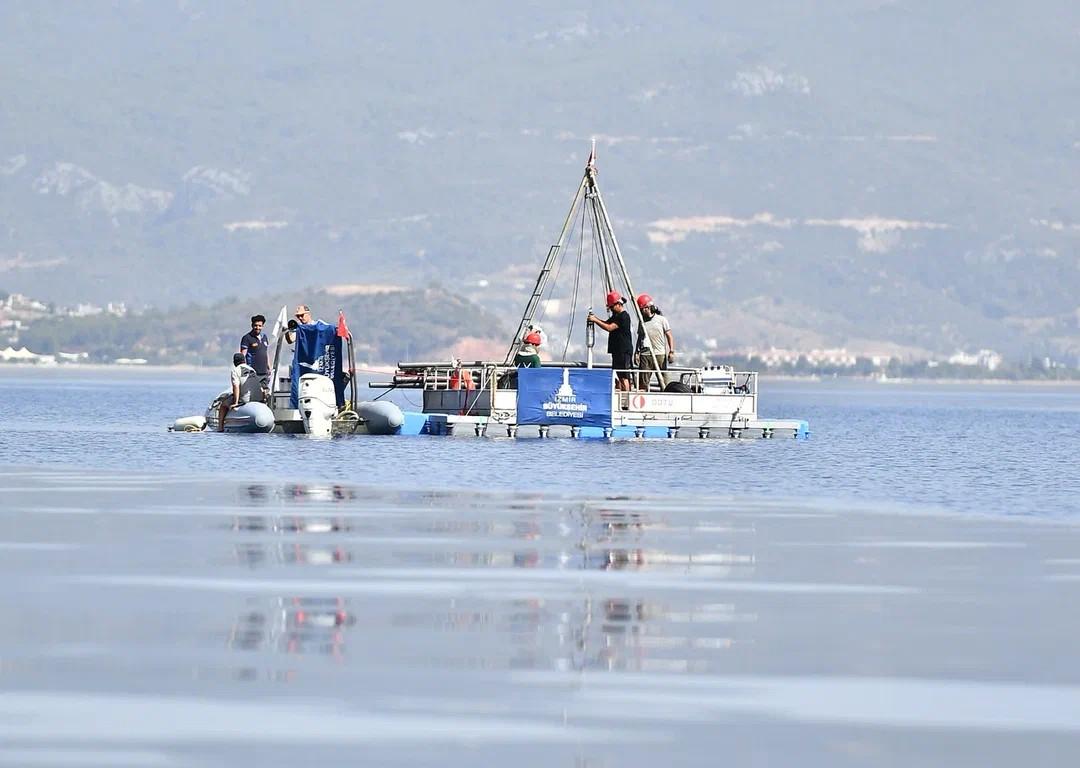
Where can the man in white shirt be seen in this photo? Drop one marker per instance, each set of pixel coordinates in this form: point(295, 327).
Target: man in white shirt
point(655, 344)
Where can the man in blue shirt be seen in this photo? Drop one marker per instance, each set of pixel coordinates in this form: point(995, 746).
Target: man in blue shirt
point(255, 347)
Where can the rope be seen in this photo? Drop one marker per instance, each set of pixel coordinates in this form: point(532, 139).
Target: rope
point(483, 386)
point(735, 413)
point(384, 394)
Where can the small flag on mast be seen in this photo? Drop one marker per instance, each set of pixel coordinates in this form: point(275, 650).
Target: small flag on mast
point(281, 323)
point(342, 329)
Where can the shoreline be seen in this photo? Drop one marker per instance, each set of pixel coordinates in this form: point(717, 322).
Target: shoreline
point(913, 380)
point(383, 370)
point(148, 368)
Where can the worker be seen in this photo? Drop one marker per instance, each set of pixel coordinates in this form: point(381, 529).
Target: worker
point(655, 343)
point(620, 339)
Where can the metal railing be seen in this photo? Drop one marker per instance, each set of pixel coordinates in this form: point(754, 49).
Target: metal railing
point(444, 376)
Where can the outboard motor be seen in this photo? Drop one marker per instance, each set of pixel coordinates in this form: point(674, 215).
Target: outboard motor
point(318, 403)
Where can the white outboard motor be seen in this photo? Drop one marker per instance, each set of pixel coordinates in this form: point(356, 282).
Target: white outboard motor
point(318, 403)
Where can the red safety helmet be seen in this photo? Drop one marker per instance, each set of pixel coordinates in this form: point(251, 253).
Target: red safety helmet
point(614, 298)
point(644, 300)
point(532, 337)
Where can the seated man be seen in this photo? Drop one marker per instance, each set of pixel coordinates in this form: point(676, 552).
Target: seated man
point(246, 388)
point(528, 355)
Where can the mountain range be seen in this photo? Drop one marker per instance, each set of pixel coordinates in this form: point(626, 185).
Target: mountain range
point(884, 176)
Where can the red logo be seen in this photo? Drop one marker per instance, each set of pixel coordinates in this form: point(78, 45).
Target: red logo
point(638, 402)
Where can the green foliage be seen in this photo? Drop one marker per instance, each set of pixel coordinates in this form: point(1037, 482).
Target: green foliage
point(386, 327)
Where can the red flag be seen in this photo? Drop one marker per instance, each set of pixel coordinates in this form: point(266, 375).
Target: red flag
point(342, 329)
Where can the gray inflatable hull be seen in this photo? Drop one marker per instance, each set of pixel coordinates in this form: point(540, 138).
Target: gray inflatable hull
point(381, 418)
point(249, 418)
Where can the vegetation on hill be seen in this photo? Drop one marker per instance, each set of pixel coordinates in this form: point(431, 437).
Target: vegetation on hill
point(386, 327)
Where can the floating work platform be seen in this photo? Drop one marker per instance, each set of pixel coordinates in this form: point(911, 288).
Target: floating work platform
point(446, 425)
point(520, 396)
point(486, 400)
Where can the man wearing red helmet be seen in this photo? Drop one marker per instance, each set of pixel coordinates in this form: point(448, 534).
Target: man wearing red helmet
point(620, 339)
point(655, 343)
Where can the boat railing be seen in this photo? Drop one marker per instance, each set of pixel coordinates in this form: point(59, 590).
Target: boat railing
point(480, 375)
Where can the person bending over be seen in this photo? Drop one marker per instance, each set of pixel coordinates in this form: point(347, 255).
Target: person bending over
point(245, 388)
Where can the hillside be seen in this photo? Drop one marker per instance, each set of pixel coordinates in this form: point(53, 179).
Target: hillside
point(387, 326)
point(869, 174)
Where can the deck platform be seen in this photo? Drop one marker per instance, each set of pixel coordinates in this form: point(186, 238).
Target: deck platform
point(446, 425)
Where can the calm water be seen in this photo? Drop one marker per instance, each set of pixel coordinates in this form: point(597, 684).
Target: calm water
point(988, 449)
point(898, 590)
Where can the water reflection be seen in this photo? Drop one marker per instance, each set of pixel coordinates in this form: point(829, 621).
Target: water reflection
point(260, 493)
point(254, 555)
point(296, 625)
point(290, 524)
point(624, 625)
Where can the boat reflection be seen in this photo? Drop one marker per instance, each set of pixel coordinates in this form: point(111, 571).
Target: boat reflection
point(289, 524)
point(254, 555)
point(296, 625)
point(261, 493)
point(645, 619)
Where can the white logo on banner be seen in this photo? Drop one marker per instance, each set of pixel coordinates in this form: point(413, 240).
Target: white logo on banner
point(564, 405)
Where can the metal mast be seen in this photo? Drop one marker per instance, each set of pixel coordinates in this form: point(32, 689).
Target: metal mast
point(588, 190)
point(594, 191)
point(542, 278)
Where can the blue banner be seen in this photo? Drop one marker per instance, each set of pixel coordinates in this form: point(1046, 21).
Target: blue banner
point(318, 350)
point(578, 397)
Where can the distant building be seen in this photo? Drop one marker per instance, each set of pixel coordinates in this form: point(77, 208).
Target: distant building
point(24, 355)
point(984, 358)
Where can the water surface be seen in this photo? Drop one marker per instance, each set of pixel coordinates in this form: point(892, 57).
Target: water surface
point(895, 591)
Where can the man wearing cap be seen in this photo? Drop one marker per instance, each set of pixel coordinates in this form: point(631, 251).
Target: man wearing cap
point(303, 317)
point(620, 340)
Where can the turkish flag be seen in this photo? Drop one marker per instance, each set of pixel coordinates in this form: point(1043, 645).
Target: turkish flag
point(342, 329)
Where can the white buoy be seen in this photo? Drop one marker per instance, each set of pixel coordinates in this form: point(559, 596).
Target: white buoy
point(189, 424)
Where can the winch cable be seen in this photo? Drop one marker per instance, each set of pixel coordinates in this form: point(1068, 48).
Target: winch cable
point(598, 229)
point(592, 264)
point(577, 287)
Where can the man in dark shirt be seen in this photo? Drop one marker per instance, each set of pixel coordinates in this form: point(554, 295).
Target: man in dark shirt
point(255, 348)
point(620, 340)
